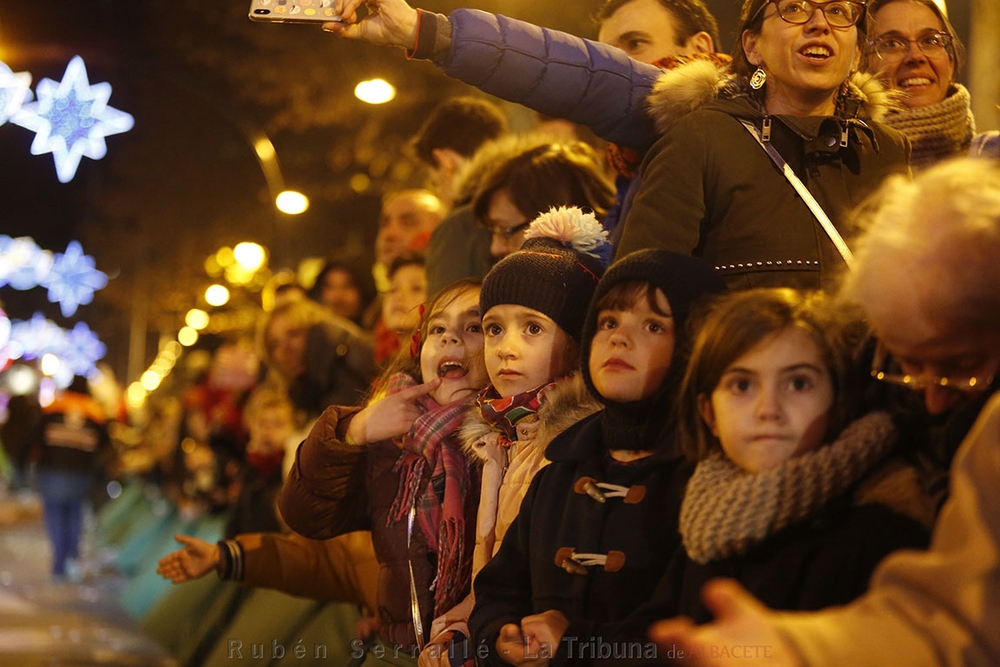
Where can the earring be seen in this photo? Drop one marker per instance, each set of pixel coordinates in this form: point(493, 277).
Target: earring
point(758, 79)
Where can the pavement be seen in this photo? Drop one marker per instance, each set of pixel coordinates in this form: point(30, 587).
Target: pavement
point(62, 624)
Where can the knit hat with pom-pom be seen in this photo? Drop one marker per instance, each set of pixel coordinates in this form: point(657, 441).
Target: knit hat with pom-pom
point(556, 270)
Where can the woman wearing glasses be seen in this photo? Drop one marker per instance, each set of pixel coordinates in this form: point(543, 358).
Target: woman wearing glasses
point(716, 184)
point(915, 51)
point(532, 181)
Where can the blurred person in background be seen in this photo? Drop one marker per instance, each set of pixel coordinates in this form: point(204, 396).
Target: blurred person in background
point(70, 448)
point(402, 304)
point(322, 359)
point(445, 143)
point(342, 289)
point(534, 181)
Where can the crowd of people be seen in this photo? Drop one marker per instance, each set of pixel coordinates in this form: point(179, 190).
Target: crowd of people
point(754, 336)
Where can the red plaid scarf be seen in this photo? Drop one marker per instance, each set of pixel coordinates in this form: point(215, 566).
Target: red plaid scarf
point(504, 413)
point(433, 443)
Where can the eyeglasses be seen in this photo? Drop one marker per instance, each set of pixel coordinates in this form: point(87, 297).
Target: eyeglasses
point(895, 47)
point(839, 13)
point(506, 232)
point(887, 369)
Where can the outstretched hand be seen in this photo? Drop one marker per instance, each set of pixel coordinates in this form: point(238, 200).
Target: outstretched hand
point(390, 416)
point(743, 632)
point(195, 560)
point(389, 22)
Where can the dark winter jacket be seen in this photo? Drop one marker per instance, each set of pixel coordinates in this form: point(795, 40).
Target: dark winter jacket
point(638, 534)
point(71, 436)
point(709, 188)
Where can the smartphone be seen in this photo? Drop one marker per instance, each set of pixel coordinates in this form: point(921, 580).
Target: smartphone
point(293, 11)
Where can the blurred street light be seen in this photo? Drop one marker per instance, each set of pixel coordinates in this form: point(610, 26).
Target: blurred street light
point(292, 202)
point(375, 91)
point(197, 319)
point(250, 256)
point(216, 295)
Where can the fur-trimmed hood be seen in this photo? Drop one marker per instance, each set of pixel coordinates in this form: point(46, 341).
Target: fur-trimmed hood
point(564, 405)
point(697, 82)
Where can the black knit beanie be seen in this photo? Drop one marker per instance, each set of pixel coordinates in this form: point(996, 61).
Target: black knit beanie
point(548, 275)
point(683, 279)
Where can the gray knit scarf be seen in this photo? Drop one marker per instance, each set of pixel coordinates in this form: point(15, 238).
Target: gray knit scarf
point(937, 131)
point(727, 510)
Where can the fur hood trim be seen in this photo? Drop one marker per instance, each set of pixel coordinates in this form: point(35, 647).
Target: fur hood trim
point(896, 485)
point(565, 404)
point(691, 85)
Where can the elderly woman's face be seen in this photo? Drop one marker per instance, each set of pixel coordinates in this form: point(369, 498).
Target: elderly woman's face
point(924, 77)
point(806, 63)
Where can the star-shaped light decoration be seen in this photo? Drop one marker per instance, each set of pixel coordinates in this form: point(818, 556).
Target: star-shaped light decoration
point(23, 264)
point(71, 119)
point(32, 338)
point(72, 280)
point(15, 90)
point(82, 350)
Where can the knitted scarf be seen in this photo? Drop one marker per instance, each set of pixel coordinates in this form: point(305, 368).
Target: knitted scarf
point(937, 131)
point(432, 443)
point(505, 413)
point(727, 510)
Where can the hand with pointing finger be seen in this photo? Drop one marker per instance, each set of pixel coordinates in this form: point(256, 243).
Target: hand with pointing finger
point(391, 416)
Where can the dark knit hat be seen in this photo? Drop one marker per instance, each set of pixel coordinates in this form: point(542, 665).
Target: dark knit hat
point(683, 280)
point(555, 272)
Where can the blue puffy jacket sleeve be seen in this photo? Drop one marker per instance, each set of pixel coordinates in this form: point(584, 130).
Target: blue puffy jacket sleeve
point(554, 73)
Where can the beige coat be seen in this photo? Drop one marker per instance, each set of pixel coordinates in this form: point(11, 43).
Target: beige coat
point(939, 607)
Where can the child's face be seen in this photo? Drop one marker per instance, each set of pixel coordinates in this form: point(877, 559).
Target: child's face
point(272, 428)
point(407, 291)
point(631, 351)
point(773, 403)
point(453, 350)
point(524, 349)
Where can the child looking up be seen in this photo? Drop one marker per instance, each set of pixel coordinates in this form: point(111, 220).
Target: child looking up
point(598, 524)
point(533, 302)
point(791, 496)
point(397, 468)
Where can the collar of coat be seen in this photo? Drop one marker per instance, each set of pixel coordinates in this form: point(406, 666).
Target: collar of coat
point(564, 405)
point(698, 82)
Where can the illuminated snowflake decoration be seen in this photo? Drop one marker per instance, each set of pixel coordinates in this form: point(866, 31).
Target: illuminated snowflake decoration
point(35, 337)
point(78, 350)
point(23, 265)
point(82, 350)
point(70, 277)
point(72, 280)
point(15, 90)
point(71, 119)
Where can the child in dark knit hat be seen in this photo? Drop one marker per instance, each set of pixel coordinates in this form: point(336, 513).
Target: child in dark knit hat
point(599, 523)
point(533, 302)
